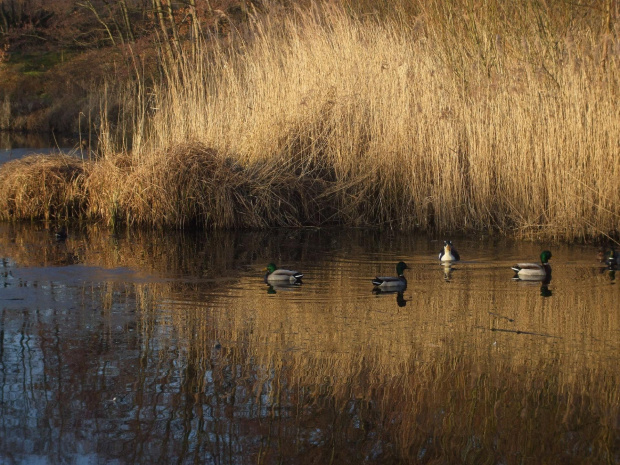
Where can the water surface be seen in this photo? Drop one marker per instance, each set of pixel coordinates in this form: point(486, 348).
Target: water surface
point(170, 348)
point(17, 145)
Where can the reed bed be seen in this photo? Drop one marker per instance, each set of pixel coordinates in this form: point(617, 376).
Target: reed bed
point(432, 116)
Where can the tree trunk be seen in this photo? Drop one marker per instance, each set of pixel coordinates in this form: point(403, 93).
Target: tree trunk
point(159, 12)
point(126, 20)
point(4, 22)
point(173, 26)
point(89, 6)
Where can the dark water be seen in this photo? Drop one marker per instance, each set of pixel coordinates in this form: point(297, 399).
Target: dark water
point(16, 145)
point(153, 348)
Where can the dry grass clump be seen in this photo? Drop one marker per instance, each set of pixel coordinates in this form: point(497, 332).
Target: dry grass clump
point(41, 186)
point(179, 186)
point(193, 185)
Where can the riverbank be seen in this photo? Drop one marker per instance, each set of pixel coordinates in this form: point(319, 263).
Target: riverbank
point(472, 121)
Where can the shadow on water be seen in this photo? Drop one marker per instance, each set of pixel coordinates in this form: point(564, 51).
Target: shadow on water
point(154, 348)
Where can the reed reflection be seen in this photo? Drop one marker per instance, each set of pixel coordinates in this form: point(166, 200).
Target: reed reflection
point(170, 389)
point(185, 370)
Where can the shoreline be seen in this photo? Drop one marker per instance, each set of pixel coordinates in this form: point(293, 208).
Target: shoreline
point(64, 189)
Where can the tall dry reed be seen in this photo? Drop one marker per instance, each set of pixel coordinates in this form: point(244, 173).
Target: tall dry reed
point(448, 115)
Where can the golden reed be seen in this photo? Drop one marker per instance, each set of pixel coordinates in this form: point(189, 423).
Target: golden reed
point(432, 115)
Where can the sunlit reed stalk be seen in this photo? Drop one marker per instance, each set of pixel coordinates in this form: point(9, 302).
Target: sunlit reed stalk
point(447, 116)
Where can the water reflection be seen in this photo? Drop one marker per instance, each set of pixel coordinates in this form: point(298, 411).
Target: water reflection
point(273, 288)
point(610, 272)
point(612, 275)
point(535, 280)
point(400, 295)
point(545, 291)
point(154, 348)
point(447, 271)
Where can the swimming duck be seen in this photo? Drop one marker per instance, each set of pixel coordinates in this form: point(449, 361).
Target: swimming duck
point(611, 257)
point(534, 270)
point(449, 253)
point(61, 234)
point(274, 274)
point(393, 282)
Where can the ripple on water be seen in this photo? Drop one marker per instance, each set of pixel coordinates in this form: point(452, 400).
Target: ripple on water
point(175, 339)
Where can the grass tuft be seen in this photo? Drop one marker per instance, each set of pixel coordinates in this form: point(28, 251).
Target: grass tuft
point(40, 186)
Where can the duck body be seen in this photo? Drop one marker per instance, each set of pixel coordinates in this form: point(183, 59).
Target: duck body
point(279, 275)
point(61, 234)
point(534, 271)
point(449, 253)
point(611, 258)
point(390, 282)
point(395, 283)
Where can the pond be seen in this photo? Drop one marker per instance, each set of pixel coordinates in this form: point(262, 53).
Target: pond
point(145, 347)
point(17, 145)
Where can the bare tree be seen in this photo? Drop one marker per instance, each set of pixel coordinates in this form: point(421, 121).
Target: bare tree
point(159, 14)
point(126, 20)
point(90, 7)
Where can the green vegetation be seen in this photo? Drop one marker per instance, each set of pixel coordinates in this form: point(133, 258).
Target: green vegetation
point(37, 62)
point(447, 116)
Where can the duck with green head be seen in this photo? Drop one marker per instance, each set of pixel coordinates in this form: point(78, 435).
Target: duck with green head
point(611, 257)
point(278, 275)
point(534, 271)
point(61, 234)
point(393, 282)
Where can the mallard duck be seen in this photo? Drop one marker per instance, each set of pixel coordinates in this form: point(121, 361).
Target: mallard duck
point(393, 282)
point(61, 234)
point(449, 253)
point(277, 275)
point(534, 270)
point(611, 257)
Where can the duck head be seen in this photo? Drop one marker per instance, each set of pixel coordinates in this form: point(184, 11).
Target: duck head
point(271, 268)
point(545, 256)
point(401, 267)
